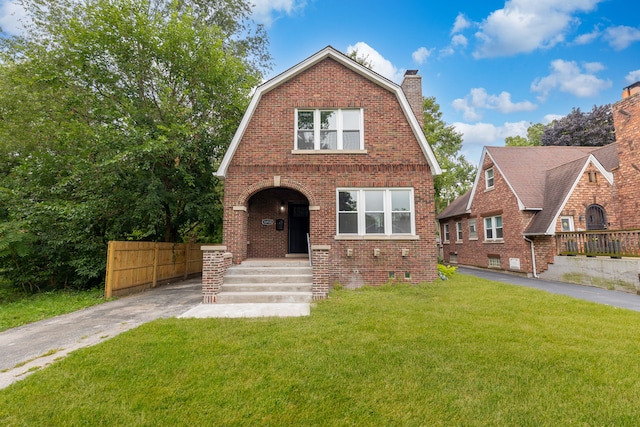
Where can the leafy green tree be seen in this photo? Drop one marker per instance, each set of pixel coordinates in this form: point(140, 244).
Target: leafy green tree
point(458, 174)
point(113, 116)
point(534, 133)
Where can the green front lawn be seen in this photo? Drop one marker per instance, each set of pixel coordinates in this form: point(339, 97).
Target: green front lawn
point(460, 352)
point(18, 308)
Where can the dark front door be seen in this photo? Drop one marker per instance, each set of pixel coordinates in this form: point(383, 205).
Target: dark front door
point(596, 218)
point(298, 228)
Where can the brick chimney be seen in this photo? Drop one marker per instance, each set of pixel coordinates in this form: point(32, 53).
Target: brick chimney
point(412, 88)
point(631, 90)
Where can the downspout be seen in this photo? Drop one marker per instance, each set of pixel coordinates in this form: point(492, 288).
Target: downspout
point(533, 256)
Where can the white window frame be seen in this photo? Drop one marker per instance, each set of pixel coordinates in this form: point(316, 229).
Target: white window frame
point(388, 213)
point(445, 232)
point(569, 221)
point(493, 228)
point(458, 231)
point(473, 229)
point(339, 128)
point(488, 178)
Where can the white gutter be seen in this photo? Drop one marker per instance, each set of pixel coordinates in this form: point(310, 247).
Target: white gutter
point(533, 256)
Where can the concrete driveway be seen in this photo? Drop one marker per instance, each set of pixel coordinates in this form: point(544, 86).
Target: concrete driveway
point(29, 345)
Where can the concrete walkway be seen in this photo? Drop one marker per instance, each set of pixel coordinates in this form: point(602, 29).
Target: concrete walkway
point(27, 348)
point(588, 293)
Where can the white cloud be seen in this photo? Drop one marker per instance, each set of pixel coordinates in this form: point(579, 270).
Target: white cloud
point(267, 11)
point(379, 64)
point(490, 134)
point(523, 26)
point(459, 40)
point(421, 55)
point(478, 98)
point(622, 36)
point(633, 76)
point(11, 17)
point(548, 118)
point(568, 77)
point(460, 24)
point(588, 37)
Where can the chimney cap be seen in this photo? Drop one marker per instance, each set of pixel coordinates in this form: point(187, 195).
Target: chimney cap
point(414, 72)
point(631, 86)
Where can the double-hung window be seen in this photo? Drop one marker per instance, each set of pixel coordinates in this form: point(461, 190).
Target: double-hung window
point(459, 231)
point(375, 211)
point(489, 178)
point(473, 234)
point(493, 228)
point(326, 129)
point(445, 232)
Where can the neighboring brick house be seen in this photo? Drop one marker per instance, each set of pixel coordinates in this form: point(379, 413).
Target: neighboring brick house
point(331, 149)
point(521, 197)
point(626, 118)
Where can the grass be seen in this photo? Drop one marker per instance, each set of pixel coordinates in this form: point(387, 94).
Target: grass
point(460, 352)
point(18, 308)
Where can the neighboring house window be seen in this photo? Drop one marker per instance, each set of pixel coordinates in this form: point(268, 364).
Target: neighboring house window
point(473, 233)
point(493, 228)
point(488, 177)
point(329, 129)
point(384, 211)
point(445, 232)
point(596, 218)
point(566, 223)
point(459, 231)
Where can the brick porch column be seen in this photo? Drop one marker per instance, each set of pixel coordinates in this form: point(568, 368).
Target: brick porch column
point(215, 260)
point(320, 260)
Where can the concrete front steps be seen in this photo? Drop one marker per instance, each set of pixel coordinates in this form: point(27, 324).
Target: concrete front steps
point(267, 281)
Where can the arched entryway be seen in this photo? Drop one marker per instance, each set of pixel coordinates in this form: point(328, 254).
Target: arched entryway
point(278, 223)
point(596, 217)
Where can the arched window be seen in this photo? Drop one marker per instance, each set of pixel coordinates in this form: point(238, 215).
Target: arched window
point(596, 218)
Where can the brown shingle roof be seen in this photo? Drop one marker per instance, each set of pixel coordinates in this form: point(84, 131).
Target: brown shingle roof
point(525, 168)
point(456, 208)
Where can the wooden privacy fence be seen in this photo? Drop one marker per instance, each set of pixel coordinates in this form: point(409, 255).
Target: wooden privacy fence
point(135, 266)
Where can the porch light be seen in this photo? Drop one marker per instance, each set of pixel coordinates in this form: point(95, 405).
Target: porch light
point(281, 207)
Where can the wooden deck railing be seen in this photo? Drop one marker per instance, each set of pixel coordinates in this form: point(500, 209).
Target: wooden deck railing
point(613, 243)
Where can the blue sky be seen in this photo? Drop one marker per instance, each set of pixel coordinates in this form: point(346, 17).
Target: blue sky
point(493, 66)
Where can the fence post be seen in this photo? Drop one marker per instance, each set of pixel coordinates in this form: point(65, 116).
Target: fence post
point(108, 281)
point(187, 249)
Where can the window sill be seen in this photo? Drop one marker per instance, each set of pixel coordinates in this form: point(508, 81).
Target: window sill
point(376, 237)
point(489, 189)
point(473, 239)
point(459, 242)
point(328, 152)
point(491, 242)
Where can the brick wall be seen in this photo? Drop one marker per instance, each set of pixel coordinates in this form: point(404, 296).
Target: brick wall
point(587, 193)
point(498, 201)
point(393, 158)
point(626, 118)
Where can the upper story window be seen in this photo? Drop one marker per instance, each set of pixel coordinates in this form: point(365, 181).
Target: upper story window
point(488, 178)
point(326, 129)
point(473, 233)
point(493, 228)
point(385, 211)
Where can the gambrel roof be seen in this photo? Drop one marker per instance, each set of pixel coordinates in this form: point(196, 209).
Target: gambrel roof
point(330, 52)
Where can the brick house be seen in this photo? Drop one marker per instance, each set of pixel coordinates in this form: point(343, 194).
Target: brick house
point(523, 196)
point(330, 158)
